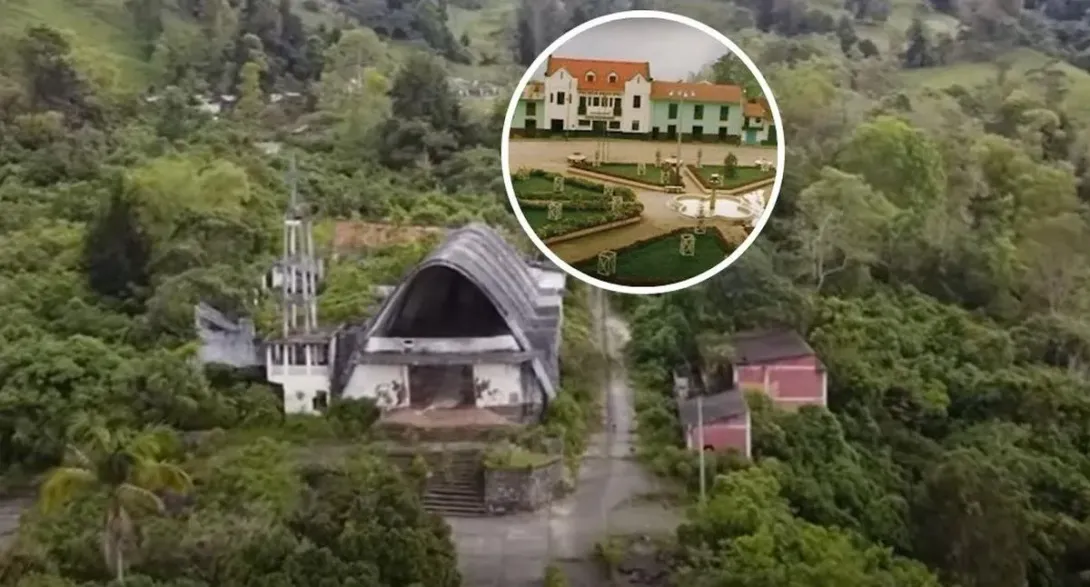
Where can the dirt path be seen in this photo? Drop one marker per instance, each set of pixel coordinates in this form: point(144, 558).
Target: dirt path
point(513, 551)
point(11, 509)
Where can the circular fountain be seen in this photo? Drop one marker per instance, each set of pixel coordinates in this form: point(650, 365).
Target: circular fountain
point(742, 207)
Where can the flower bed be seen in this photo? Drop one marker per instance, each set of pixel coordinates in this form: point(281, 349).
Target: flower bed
point(628, 171)
point(656, 261)
point(744, 175)
point(584, 203)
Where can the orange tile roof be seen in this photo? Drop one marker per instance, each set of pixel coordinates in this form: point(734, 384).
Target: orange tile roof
point(755, 109)
point(534, 91)
point(702, 92)
point(578, 68)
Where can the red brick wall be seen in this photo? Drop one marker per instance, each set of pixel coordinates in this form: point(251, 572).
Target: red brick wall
point(722, 435)
point(794, 381)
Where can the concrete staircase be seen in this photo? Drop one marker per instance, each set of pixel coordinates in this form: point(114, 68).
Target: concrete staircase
point(456, 485)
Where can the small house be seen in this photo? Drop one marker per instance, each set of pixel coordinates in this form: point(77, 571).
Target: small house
point(712, 405)
point(782, 364)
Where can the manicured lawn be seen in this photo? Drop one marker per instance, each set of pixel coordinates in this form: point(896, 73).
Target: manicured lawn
point(659, 262)
point(743, 175)
point(535, 184)
point(539, 217)
point(628, 171)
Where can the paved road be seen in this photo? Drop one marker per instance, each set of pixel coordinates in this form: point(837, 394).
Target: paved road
point(513, 551)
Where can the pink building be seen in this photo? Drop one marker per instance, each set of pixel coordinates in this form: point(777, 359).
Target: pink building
point(779, 362)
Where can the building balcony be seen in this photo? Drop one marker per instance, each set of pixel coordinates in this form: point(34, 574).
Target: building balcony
point(601, 112)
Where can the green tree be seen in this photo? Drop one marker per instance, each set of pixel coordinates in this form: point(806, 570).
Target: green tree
point(251, 98)
point(117, 251)
point(125, 468)
point(840, 222)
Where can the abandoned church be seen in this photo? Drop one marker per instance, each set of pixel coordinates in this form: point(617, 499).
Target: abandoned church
point(474, 325)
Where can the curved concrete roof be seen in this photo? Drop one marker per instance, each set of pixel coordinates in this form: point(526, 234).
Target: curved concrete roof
point(489, 262)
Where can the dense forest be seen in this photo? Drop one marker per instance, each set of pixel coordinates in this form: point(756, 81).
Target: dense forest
point(930, 241)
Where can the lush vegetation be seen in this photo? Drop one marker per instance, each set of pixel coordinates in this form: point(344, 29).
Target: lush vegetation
point(927, 244)
point(658, 260)
point(930, 241)
point(584, 204)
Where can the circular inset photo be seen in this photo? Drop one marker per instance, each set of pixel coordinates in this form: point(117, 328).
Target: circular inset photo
point(643, 152)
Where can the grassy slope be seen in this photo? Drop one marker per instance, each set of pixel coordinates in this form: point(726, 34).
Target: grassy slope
point(99, 30)
point(1022, 61)
point(101, 33)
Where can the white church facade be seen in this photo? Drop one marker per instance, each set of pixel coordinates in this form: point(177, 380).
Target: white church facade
point(475, 325)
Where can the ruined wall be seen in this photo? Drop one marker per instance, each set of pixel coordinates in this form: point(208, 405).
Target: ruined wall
point(521, 490)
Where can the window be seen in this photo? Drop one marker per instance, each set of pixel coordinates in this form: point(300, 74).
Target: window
point(636, 101)
point(531, 109)
point(590, 76)
point(550, 98)
point(277, 353)
point(297, 355)
point(612, 78)
point(614, 125)
point(635, 125)
point(595, 101)
point(584, 122)
point(724, 112)
point(560, 98)
point(582, 105)
point(320, 401)
point(698, 112)
point(320, 354)
point(673, 112)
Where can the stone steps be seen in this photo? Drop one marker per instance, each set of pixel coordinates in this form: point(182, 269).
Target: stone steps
point(456, 487)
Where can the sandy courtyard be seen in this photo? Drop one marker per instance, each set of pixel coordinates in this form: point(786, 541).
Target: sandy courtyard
point(552, 154)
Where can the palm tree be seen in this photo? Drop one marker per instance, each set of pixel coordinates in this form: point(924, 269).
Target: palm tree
point(125, 467)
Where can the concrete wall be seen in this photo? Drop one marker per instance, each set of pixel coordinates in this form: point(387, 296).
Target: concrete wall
point(637, 86)
point(521, 490)
point(798, 381)
point(519, 120)
point(733, 433)
point(504, 384)
point(379, 383)
point(711, 122)
point(560, 81)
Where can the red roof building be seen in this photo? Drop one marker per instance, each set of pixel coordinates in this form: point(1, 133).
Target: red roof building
point(778, 362)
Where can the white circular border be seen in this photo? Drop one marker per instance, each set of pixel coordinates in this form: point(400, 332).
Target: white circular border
point(505, 153)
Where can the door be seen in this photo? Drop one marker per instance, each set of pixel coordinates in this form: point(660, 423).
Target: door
point(671, 131)
point(598, 126)
point(531, 124)
point(556, 125)
point(698, 133)
point(722, 133)
point(751, 136)
point(655, 133)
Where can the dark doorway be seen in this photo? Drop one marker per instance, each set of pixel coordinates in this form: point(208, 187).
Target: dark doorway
point(556, 125)
point(655, 134)
point(598, 126)
point(671, 131)
point(722, 133)
point(698, 133)
point(441, 386)
point(531, 124)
